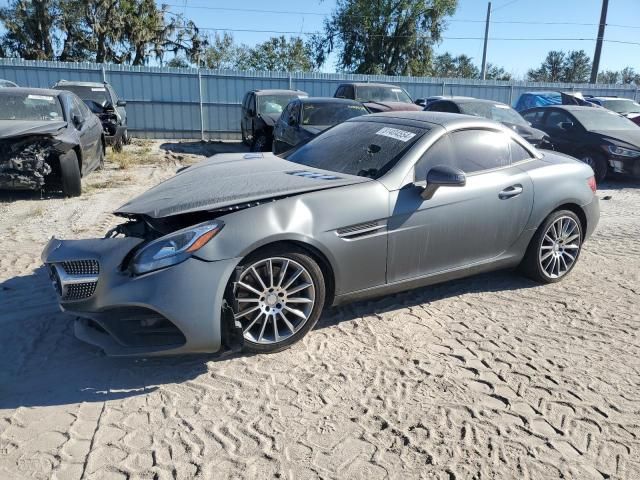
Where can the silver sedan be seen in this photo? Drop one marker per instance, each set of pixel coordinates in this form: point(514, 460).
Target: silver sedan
point(245, 250)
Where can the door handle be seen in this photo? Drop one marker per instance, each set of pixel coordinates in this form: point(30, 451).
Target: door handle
point(510, 192)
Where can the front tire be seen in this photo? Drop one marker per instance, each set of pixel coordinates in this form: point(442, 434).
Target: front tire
point(555, 248)
point(70, 174)
point(278, 297)
point(598, 163)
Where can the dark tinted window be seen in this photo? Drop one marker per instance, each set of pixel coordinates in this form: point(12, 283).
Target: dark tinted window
point(438, 154)
point(518, 152)
point(443, 107)
point(294, 112)
point(556, 117)
point(366, 149)
point(348, 92)
point(534, 117)
point(339, 92)
point(98, 94)
point(326, 113)
point(477, 150)
point(493, 111)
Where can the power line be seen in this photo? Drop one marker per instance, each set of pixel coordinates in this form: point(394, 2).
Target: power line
point(452, 20)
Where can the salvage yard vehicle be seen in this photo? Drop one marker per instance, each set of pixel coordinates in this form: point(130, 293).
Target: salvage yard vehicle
point(604, 140)
point(103, 101)
point(378, 97)
point(305, 118)
point(543, 99)
point(494, 111)
point(7, 83)
point(261, 110)
point(624, 106)
point(245, 250)
point(48, 138)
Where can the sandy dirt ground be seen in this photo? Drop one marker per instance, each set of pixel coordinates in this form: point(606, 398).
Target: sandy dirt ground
point(488, 377)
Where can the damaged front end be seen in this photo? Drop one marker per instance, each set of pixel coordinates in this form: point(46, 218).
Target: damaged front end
point(25, 162)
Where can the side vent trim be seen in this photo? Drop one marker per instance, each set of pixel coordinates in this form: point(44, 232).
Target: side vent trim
point(353, 232)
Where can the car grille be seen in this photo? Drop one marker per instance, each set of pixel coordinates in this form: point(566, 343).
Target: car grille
point(76, 279)
point(81, 267)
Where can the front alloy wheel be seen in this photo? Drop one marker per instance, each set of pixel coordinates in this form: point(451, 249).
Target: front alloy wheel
point(278, 300)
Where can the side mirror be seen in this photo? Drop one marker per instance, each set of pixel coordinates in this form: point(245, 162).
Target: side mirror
point(421, 101)
point(121, 103)
point(77, 121)
point(566, 125)
point(443, 176)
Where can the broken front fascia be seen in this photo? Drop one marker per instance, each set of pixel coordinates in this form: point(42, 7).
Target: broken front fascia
point(26, 161)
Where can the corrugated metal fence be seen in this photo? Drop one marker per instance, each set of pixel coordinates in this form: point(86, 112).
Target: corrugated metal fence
point(183, 102)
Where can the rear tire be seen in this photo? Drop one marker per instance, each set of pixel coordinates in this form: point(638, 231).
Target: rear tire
point(70, 174)
point(598, 163)
point(277, 296)
point(554, 249)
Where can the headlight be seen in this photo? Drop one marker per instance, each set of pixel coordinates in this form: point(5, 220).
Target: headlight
point(174, 248)
point(623, 152)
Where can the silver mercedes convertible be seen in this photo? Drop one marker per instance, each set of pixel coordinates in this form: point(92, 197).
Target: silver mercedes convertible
point(245, 250)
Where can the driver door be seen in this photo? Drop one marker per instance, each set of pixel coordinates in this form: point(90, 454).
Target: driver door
point(463, 225)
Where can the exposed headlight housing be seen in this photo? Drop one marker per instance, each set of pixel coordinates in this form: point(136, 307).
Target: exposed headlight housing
point(623, 152)
point(174, 248)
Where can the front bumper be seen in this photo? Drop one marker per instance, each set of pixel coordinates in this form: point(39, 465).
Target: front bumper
point(113, 133)
point(592, 214)
point(170, 311)
point(626, 166)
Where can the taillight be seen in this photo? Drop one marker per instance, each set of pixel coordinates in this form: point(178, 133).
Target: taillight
point(592, 184)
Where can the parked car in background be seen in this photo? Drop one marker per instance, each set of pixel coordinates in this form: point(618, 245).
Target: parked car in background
point(103, 101)
point(377, 97)
point(543, 99)
point(7, 83)
point(47, 138)
point(304, 118)
point(497, 111)
point(605, 140)
point(623, 106)
point(429, 100)
point(246, 250)
point(261, 110)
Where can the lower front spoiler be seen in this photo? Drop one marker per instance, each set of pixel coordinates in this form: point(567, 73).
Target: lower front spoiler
point(626, 166)
point(176, 310)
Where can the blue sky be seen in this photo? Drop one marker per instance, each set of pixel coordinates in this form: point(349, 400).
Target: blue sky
point(515, 56)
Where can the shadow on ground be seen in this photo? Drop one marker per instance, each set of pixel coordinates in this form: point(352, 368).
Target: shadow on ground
point(206, 149)
point(43, 364)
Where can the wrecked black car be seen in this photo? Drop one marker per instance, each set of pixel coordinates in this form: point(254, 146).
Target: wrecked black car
point(103, 101)
point(48, 139)
point(261, 110)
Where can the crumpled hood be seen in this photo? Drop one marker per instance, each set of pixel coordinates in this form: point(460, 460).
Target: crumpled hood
point(229, 179)
point(20, 128)
point(377, 107)
point(623, 138)
point(269, 118)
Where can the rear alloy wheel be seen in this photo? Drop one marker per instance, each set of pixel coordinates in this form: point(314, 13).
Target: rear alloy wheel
point(555, 248)
point(598, 163)
point(278, 298)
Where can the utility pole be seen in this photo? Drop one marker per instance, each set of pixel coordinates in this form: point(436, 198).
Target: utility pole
point(486, 38)
point(596, 55)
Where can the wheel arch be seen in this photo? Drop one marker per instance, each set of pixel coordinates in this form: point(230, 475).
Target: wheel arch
point(78, 151)
point(575, 208)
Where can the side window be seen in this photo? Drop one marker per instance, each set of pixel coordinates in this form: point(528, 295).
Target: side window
point(74, 104)
point(478, 150)
point(556, 117)
point(340, 92)
point(349, 92)
point(534, 117)
point(438, 154)
point(295, 112)
point(284, 116)
point(518, 152)
point(444, 107)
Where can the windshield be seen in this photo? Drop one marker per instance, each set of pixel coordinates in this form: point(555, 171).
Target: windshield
point(274, 103)
point(366, 149)
point(330, 113)
point(622, 105)
point(601, 119)
point(97, 94)
point(27, 106)
point(493, 111)
point(377, 93)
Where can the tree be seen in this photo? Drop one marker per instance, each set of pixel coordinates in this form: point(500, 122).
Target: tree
point(28, 26)
point(494, 72)
point(628, 76)
point(576, 67)
point(550, 70)
point(609, 76)
point(279, 54)
point(391, 37)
